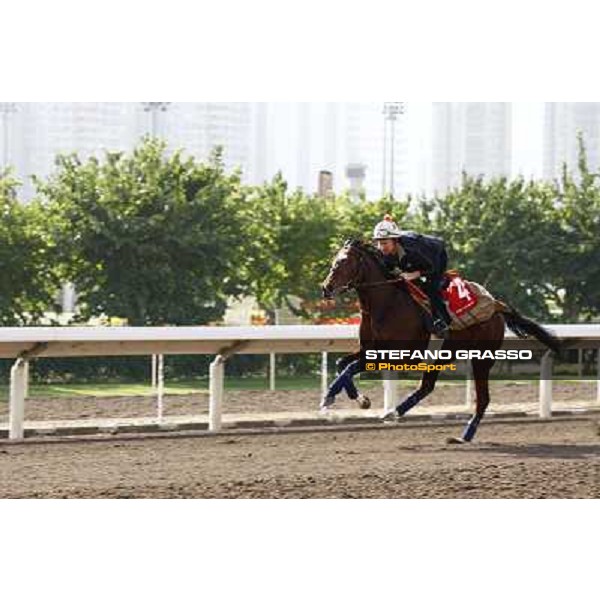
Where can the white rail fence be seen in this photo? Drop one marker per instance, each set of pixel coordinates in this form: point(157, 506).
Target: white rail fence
point(24, 344)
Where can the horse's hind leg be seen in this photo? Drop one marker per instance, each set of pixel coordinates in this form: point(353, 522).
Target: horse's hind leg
point(481, 374)
point(427, 386)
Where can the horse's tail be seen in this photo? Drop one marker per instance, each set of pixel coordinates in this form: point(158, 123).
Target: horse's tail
point(523, 327)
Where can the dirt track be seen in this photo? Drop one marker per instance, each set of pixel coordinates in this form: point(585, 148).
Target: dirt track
point(252, 401)
point(558, 459)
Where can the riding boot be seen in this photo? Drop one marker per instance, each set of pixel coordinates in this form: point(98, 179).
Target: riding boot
point(442, 319)
point(440, 316)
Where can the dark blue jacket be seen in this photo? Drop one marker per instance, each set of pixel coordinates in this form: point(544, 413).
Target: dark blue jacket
point(423, 253)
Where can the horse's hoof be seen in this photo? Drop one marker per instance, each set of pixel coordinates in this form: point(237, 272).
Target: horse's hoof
point(326, 404)
point(455, 441)
point(390, 416)
point(363, 402)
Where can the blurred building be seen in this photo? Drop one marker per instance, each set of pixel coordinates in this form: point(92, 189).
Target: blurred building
point(299, 139)
point(365, 143)
point(41, 130)
point(34, 133)
point(562, 122)
point(198, 127)
point(356, 178)
point(7, 111)
point(304, 138)
point(325, 185)
point(474, 137)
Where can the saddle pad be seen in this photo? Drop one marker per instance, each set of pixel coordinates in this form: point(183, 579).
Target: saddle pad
point(459, 296)
point(468, 302)
point(480, 311)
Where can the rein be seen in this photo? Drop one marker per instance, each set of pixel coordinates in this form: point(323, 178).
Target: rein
point(358, 286)
point(377, 283)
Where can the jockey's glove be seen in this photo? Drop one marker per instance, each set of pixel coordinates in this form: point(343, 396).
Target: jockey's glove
point(410, 276)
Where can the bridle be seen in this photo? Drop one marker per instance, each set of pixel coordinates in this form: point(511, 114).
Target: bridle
point(353, 283)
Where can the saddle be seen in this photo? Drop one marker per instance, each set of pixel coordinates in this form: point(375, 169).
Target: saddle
point(468, 303)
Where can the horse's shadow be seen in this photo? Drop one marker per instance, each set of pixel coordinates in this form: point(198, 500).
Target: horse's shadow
point(548, 451)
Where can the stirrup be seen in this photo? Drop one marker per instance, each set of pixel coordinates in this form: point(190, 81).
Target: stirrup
point(441, 328)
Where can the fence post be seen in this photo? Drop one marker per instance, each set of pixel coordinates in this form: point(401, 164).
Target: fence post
point(160, 387)
point(324, 376)
point(26, 392)
point(390, 392)
point(598, 378)
point(153, 374)
point(546, 386)
point(216, 376)
point(272, 368)
point(18, 385)
point(216, 373)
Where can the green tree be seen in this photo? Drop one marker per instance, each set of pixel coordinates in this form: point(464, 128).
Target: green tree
point(263, 269)
point(148, 237)
point(289, 243)
point(292, 238)
point(503, 234)
point(577, 285)
point(29, 282)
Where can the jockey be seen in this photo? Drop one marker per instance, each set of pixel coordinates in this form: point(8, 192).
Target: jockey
point(413, 255)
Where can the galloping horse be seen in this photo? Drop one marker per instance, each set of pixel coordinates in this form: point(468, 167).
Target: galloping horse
point(393, 316)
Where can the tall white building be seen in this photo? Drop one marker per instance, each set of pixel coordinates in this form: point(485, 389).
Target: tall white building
point(41, 130)
point(7, 111)
point(298, 139)
point(474, 137)
point(34, 133)
point(198, 127)
point(365, 141)
point(563, 120)
point(301, 139)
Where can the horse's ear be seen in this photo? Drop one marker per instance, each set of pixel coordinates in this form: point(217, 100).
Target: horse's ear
point(352, 243)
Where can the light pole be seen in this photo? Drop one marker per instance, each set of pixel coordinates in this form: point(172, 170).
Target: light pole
point(6, 109)
point(154, 108)
point(391, 111)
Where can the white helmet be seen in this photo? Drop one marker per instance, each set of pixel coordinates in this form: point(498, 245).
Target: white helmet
point(386, 229)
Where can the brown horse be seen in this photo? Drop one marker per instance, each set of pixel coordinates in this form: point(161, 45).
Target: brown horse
point(392, 315)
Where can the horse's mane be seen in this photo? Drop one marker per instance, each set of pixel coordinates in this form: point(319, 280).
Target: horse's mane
point(376, 255)
point(373, 252)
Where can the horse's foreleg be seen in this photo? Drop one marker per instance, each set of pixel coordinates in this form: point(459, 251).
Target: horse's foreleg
point(427, 386)
point(343, 362)
point(344, 381)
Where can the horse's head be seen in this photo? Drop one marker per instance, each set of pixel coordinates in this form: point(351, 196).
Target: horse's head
point(347, 267)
